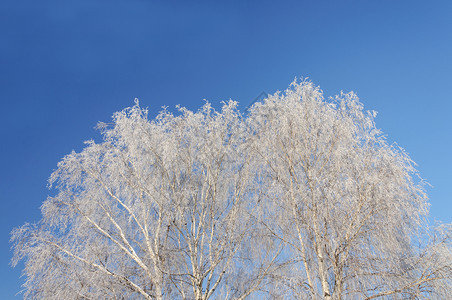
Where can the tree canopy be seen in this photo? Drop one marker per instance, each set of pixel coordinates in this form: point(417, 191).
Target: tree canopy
point(300, 197)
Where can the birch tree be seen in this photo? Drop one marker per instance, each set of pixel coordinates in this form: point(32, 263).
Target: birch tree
point(349, 205)
point(160, 209)
point(301, 198)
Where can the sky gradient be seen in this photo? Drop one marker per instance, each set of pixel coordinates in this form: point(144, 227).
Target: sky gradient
point(65, 65)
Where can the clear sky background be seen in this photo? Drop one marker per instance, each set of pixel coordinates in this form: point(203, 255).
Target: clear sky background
point(65, 65)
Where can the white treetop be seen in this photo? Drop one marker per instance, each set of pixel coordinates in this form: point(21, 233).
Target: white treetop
point(300, 198)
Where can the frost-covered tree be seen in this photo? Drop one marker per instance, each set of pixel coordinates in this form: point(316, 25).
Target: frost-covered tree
point(300, 198)
point(159, 209)
point(349, 206)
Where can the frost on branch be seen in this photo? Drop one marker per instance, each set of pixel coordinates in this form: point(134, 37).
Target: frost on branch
point(300, 198)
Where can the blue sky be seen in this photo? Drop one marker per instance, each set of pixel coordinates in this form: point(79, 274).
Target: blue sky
point(65, 65)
